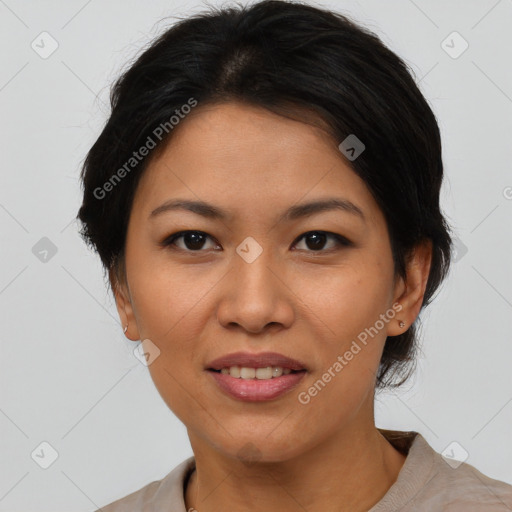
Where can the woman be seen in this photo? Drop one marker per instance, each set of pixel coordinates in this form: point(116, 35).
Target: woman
point(265, 200)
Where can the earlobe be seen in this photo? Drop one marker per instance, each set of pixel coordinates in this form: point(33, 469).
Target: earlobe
point(124, 307)
point(411, 290)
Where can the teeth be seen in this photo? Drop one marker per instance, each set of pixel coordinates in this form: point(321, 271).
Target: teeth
point(247, 373)
point(268, 372)
point(277, 371)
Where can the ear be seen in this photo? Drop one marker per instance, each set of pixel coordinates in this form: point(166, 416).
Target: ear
point(124, 305)
point(409, 292)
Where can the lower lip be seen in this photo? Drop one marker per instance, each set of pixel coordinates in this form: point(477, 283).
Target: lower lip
point(256, 390)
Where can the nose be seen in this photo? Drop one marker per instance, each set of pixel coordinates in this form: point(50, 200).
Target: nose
point(255, 296)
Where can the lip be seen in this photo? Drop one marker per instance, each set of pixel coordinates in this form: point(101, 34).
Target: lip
point(255, 390)
point(251, 360)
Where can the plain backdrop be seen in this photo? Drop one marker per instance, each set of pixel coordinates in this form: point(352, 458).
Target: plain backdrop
point(69, 378)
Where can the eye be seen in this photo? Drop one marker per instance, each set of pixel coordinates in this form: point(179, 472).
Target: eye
point(315, 241)
point(193, 241)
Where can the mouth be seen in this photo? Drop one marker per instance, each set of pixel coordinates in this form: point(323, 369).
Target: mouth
point(256, 384)
point(256, 377)
point(260, 373)
point(263, 365)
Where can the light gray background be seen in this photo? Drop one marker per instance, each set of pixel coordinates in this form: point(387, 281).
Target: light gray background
point(68, 375)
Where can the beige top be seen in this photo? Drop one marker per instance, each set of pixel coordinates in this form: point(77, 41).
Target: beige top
point(426, 483)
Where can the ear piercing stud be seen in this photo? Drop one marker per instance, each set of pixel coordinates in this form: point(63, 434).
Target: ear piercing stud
point(401, 324)
point(125, 328)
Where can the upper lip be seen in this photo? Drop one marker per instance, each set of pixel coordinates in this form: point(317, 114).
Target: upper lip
point(251, 360)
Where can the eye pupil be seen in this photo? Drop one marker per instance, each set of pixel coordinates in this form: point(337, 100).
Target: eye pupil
point(318, 240)
point(193, 240)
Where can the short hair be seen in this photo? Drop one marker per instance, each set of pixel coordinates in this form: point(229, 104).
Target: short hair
point(298, 61)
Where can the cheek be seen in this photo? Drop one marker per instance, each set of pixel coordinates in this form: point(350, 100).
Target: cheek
point(169, 307)
point(167, 296)
point(350, 298)
point(350, 305)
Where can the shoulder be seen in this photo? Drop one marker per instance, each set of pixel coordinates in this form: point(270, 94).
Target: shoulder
point(428, 481)
point(157, 494)
point(462, 487)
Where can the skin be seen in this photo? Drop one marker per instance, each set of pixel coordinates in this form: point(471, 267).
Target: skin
point(198, 303)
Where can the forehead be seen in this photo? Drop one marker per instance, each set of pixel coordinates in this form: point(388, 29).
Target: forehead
point(242, 154)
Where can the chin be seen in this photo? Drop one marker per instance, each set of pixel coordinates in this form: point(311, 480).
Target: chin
point(253, 450)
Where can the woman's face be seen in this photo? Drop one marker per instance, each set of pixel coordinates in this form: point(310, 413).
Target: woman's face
point(256, 281)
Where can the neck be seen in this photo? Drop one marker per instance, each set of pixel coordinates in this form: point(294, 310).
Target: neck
point(349, 472)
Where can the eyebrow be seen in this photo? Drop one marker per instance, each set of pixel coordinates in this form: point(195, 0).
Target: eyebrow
point(294, 212)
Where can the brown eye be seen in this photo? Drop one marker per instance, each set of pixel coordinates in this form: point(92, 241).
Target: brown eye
point(316, 240)
point(192, 241)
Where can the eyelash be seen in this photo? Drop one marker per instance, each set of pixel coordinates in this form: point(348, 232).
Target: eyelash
point(341, 241)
